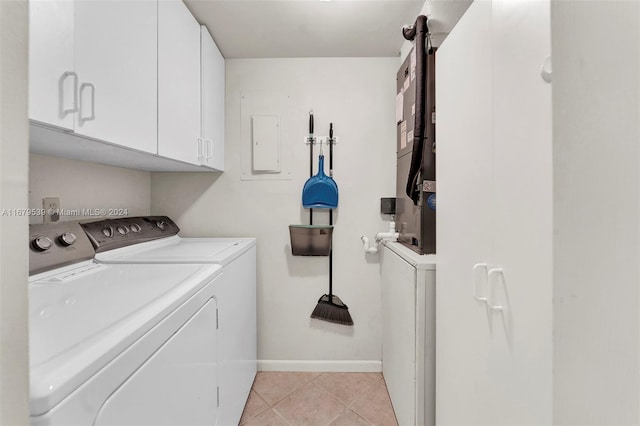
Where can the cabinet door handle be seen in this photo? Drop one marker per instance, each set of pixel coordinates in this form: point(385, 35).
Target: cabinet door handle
point(209, 149)
point(476, 268)
point(93, 102)
point(491, 276)
point(546, 71)
point(200, 149)
point(74, 108)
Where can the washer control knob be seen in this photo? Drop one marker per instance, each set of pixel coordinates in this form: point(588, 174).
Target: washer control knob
point(122, 229)
point(108, 231)
point(160, 224)
point(41, 243)
point(135, 227)
point(67, 239)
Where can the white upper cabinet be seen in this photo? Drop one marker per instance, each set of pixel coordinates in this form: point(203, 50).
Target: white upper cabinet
point(179, 83)
point(213, 92)
point(116, 61)
point(52, 80)
point(130, 83)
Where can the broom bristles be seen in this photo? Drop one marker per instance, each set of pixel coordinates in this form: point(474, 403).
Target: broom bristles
point(332, 310)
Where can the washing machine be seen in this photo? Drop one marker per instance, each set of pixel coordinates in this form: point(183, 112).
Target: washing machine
point(118, 344)
point(154, 241)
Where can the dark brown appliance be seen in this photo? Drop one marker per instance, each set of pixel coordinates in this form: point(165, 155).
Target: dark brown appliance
point(416, 167)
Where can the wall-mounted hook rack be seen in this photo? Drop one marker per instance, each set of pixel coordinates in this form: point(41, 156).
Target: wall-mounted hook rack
point(325, 140)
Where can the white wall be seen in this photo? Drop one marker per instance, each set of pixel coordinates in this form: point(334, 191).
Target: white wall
point(596, 90)
point(14, 147)
point(357, 95)
point(82, 185)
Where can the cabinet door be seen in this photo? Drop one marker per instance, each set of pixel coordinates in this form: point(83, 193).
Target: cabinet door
point(177, 385)
point(213, 92)
point(398, 279)
point(116, 61)
point(52, 98)
point(464, 158)
point(521, 351)
point(178, 83)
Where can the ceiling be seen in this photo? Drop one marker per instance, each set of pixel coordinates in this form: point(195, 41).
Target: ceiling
point(306, 28)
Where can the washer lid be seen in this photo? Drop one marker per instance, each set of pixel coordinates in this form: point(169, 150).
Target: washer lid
point(180, 250)
point(82, 317)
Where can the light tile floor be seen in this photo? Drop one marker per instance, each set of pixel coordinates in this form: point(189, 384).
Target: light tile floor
point(318, 399)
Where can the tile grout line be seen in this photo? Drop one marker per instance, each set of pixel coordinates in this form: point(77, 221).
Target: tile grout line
point(287, 395)
point(362, 417)
point(356, 414)
point(257, 413)
point(281, 416)
point(317, 386)
point(330, 394)
point(361, 396)
point(357, 398)
point(364, 394)
point(345, 407)
point(333, 419)
point(295, 389)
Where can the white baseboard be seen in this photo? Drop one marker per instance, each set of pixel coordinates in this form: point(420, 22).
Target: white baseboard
point(313, 365)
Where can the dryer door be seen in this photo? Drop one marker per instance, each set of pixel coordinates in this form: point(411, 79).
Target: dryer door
point(177, 385)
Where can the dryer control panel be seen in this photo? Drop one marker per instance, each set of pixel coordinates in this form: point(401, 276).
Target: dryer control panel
point(110, 234)
point(54, 245)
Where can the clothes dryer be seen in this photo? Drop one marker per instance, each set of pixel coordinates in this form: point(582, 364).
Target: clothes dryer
point(154, 240)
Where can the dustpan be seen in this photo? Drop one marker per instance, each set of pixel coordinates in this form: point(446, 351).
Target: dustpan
point(320, 191)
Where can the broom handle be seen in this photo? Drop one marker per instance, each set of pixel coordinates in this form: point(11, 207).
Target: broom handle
point(311, 158)
point(311, 174)
point(331, 149)
point(331, 213)
point(330, 271)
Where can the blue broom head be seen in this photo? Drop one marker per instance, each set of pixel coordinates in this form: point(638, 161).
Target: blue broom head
point(320, 191)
